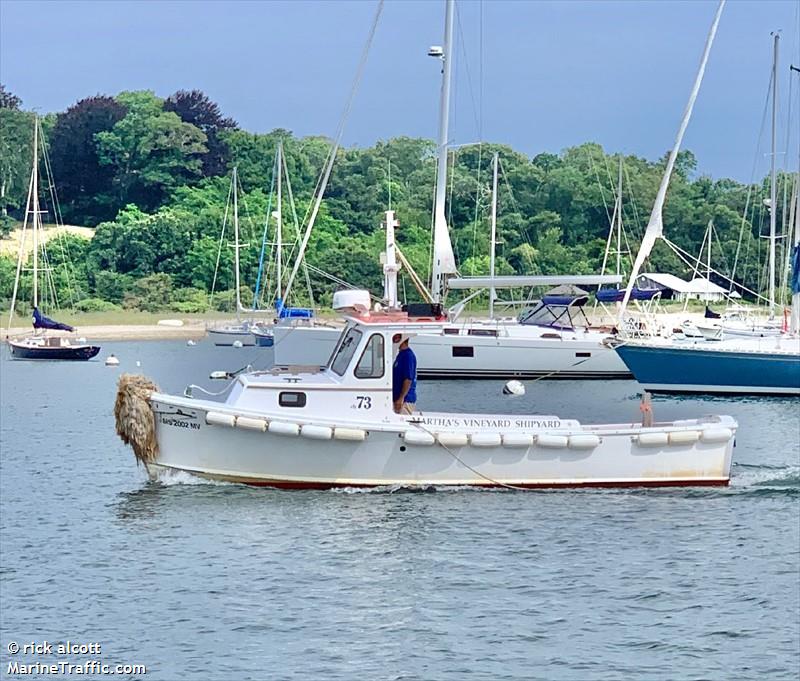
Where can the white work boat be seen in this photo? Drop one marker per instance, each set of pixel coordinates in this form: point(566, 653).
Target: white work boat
point(334, 426)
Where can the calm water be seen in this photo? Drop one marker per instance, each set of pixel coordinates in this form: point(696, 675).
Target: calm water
point(205, 581)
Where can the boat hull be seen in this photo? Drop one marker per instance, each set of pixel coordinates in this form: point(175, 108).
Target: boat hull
point(228, 338)
point(581, 456)
point(472, 356)
point(75, 353)
point(712, 370)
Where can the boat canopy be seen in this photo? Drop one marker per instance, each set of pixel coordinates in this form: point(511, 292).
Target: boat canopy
point(292, 312)
point(562, 317)
point(566, 294)
point(614, 295)
point(42, 322)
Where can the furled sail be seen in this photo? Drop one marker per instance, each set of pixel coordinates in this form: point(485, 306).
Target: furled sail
point(655, 226)
point(42, 322)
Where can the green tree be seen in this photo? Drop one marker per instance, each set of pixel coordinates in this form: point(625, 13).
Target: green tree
point(151, 150)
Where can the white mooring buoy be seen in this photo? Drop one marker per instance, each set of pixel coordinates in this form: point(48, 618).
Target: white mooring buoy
point(190, 343)
point(514, 388)
point(112, 360)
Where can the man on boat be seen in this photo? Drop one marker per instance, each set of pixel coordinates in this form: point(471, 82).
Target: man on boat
point(404, 377)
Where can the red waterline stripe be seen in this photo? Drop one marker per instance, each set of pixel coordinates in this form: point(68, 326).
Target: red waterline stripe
point(292, 484)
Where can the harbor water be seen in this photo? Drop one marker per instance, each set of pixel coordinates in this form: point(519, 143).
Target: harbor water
point(219, 581)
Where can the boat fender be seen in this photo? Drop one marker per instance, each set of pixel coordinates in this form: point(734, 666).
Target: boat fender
point(517, 440)
point(134, 416)
point(551, 441)
point(418, 437)
point(259, 425)
point(652, 439)
point(215, 418)
point(349, 434)
point(485, 439)
point(317, 432)
point(452, 439)
point(587, 441)
point(684, 437)
point(283, 428)
point(716, 435)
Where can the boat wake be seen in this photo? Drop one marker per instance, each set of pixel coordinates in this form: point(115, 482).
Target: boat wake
point(172, 478)
point(765, 480)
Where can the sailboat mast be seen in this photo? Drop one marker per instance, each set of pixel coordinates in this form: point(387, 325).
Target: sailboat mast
point(708, 262)
point(236, 239)
point(279, 229)
point(443, 260)
point(619, 217)
point(495, 163)
point(35, 207)
point(655, 226)
point(773, 194)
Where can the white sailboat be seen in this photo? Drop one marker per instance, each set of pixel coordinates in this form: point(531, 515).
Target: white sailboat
point(476, 348)
point(240, 332)
point(41, 345)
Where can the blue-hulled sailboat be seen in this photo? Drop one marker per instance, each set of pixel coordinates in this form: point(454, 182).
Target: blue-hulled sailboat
point(733, 365)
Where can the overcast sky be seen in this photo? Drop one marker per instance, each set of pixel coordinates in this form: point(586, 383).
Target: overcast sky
point(554, 74)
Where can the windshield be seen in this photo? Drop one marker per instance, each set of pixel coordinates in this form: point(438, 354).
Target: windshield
point(345, 351)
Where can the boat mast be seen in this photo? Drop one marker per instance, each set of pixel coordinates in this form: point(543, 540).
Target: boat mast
point(443, 259)
point(279, 229)
point(390, 265)
point(35, 207)
point(236, 239)
point(655, 225)
point(619, 217)
point(708, 263)
point(773, 194)
point(495, 160)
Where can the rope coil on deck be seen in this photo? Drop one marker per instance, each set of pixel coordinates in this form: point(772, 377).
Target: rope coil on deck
point(135, 420)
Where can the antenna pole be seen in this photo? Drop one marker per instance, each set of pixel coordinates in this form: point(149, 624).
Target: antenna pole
point(492, 294)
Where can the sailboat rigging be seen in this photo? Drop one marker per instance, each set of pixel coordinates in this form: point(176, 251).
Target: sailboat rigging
point(40, 345)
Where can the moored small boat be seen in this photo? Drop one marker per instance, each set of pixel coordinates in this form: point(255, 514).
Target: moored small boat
point(51, 348)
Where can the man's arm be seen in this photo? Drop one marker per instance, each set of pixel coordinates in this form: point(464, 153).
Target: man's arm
point(404, 388)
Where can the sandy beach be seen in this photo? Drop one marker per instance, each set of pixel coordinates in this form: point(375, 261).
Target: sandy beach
point(189, 330)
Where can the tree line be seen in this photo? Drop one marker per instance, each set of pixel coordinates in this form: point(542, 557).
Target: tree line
point(152, 176)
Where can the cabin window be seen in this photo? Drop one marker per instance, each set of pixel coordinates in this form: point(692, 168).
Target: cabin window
point(583, 354)
point(483, 332)
point(451, 332)
point(292, 399)
point(345, 351)
point(463, 351)
point(371, 363)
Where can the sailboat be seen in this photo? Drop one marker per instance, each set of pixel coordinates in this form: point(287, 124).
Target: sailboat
point(240, 332)
point(40, 345)
point(734, 365)
point(478, 348)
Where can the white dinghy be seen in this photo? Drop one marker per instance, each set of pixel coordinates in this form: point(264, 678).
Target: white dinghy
point(334, 426)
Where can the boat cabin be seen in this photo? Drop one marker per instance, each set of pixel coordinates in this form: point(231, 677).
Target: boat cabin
point(356, 382)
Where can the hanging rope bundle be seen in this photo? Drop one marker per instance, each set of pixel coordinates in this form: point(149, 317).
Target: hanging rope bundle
point(134, 418)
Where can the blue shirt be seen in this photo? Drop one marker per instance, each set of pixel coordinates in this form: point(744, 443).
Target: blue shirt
point(405, 367)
